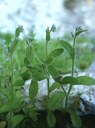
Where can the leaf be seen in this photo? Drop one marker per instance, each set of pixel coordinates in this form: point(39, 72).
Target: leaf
point(55, 100)
point(56, 52)
point(68, 47)
point(51, 120)
point(54, 73)
point(18, 82)
point(85, 80)
point(15, 120)
point(54, 86)
point(10, 106)
point(69, 80)
point(33, 114)
point(76, 121)
point(79, 32)
point(29, 52)
point(37, 73)
point(33, 90)
point(49, 60)
point(25, 73)
point(27, 61)
point(2, 124)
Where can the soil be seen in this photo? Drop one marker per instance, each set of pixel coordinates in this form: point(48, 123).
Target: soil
point(62, 121)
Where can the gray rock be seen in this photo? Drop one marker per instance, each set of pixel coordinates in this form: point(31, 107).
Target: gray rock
point(91, 69)
point(87, 94)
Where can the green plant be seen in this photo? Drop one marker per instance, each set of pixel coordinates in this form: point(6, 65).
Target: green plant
point(14, 109)
point(11, 96)
point(44, 69)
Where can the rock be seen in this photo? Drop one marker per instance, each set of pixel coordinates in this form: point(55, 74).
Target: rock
point(91, 69)
point(87, 95)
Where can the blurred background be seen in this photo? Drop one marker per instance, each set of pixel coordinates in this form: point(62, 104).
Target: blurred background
point(36, 15)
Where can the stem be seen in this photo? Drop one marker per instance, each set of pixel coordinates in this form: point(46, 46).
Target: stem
point(48, 85)
point(11, 70)
point(63, 88)
point(12, 78)
point(48, 79)
point(46, 48)
point(73, 59)
point(72, 73)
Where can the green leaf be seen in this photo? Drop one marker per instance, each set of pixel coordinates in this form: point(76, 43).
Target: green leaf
point(54, 73)
point(69, 80)
point(15, 120)
point(27, 61)
point(38, 73)
point(33, 114)
point(79, 32)
point(51, 120)
point(29, 52)
point(33, 90)
point(55, 100)
point(56, 52)
point(76, 121)
point(68, 47)
point(10, 106)
point(25, 73)
point(18, 82)
point(54, 86)
point(2, 124)
point(85, 80)
point(49, 60)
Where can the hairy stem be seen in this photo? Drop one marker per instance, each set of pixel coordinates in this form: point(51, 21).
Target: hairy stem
point(12, 75)
point(48, 79)
point(72, 73)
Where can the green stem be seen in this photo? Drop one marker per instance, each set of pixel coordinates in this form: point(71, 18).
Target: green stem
point(46, 48)
point(63, 88)
point(12, 77)
point(48, 79)
point(73, 59)
point(48, 85)
point(72, 73)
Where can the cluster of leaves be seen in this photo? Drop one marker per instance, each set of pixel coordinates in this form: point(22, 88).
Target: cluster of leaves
point(14, 110)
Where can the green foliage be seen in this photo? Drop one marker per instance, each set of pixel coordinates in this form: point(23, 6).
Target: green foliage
point(69, 80)
point(54, 73)
point(10, 106)
point(21, 61)
point(56, 52)
point(15, 120)
point(55, 100)
point(85, 80)
point(51, 120)
point(38, 73)
point(33, 90)
point(76, 121)
point(68, 47)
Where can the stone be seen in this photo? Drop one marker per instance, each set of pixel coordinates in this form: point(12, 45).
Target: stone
point(87, 94)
